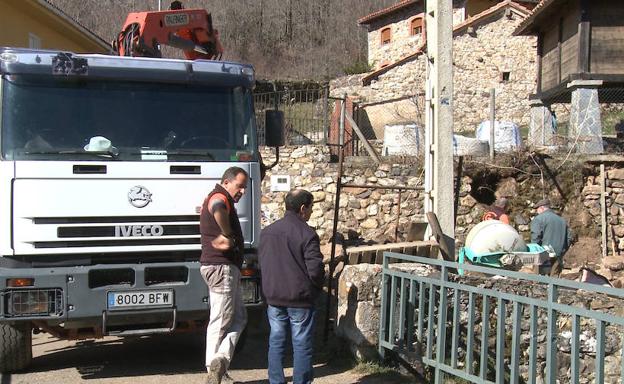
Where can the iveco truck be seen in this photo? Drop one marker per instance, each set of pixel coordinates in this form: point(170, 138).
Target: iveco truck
point(104, 164)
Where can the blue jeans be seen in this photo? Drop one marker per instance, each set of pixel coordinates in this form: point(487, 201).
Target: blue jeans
point(301, 324)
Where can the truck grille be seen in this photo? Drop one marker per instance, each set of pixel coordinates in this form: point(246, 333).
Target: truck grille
point(115, 231)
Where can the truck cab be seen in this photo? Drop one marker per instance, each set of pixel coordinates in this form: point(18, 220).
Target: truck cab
point(104, 163)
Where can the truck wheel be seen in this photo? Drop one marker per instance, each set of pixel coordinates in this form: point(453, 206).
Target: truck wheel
point(15, 346)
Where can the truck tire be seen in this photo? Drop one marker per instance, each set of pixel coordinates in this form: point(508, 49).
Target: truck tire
point(15, 347)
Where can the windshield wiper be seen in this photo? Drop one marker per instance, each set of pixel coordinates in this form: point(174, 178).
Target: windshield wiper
point(111, 154)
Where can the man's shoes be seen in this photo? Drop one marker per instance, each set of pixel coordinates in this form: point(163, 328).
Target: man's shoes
point(216, 371)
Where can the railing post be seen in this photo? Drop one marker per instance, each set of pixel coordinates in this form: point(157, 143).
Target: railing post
point(441, 344)
point(551, 335)
point(384, 316)
point(500, 341)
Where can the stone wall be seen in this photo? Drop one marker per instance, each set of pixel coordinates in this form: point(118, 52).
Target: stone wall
point(402, 41)
point(364, 212)
point(482, 56)
point(372, 214)
point(614, 202)
point(359, 303)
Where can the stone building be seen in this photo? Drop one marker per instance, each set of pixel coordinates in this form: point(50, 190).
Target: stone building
point(485, 55)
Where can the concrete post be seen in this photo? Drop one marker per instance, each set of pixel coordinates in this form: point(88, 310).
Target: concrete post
point(585, 132)
point(542, 125)
point(439, 115)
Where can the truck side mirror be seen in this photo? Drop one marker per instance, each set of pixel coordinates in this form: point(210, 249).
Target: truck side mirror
point(274, 128)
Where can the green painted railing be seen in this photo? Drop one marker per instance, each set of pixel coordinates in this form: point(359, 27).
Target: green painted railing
point(419, 313)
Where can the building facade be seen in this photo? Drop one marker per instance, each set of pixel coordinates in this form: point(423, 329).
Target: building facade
point(40, 24)
point(486, 56)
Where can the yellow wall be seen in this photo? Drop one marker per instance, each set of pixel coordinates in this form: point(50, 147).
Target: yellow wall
point(18, 18)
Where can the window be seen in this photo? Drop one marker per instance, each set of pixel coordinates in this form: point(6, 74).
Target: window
point(34, 41)
point(505, 76)
point(385, 36)
point(416, 26)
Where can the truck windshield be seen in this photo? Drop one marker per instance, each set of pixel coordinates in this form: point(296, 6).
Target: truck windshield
point(85, 119)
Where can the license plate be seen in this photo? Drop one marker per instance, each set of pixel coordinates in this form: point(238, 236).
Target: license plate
point(138, 299)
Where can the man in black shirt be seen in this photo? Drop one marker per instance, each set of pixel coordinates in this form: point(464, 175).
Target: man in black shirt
point(292, 277)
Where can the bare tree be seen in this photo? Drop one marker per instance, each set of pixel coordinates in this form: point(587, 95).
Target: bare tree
point(285, 39)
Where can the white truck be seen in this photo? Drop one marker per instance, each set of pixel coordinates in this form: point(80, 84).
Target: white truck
point(104, 164)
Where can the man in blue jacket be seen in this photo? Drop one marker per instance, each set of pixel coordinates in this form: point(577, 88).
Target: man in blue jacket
point(292, 277)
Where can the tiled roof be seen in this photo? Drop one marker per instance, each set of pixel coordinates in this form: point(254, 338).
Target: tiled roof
point(386, 11)
point(525, 27)
point(457, 29)
point(404, 3)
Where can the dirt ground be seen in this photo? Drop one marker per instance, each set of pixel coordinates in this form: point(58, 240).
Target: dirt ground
point(177, 359)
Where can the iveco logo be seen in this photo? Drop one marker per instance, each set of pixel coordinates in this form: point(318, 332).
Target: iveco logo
point(138, 230)
point(139, 196)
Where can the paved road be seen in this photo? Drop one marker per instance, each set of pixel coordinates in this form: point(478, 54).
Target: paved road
point(160, 359)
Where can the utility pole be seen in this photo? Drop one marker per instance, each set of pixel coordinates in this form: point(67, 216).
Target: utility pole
point(439, 116)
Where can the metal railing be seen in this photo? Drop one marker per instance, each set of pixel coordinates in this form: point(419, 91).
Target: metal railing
point(419, 313)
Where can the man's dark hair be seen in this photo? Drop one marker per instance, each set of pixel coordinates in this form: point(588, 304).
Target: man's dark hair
point(296, 198)
point(232, 172)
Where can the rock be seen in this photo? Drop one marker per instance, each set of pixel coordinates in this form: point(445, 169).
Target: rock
point(370, 223)
point(319, 196)
point(613, 263)
point(520, 220)
point(364, 195)
point(591, 190)
point(468, 201)
point(360, 214)
point(617, 174)
point(298, 152)
point(372, 210)
point(316, 213)
point(353, 190)
point(507, 187)
point(585, 219)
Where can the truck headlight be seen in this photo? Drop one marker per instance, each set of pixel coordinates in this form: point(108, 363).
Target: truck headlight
point(33, 302)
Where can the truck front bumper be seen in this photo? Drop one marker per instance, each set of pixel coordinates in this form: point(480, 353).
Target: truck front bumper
point(107, 297)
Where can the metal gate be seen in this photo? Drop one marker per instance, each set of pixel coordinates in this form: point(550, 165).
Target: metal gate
point(306, 114)
point(441, 323)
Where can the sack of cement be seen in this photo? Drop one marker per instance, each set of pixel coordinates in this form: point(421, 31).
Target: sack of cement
point(506, 135)
point(467, 146)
